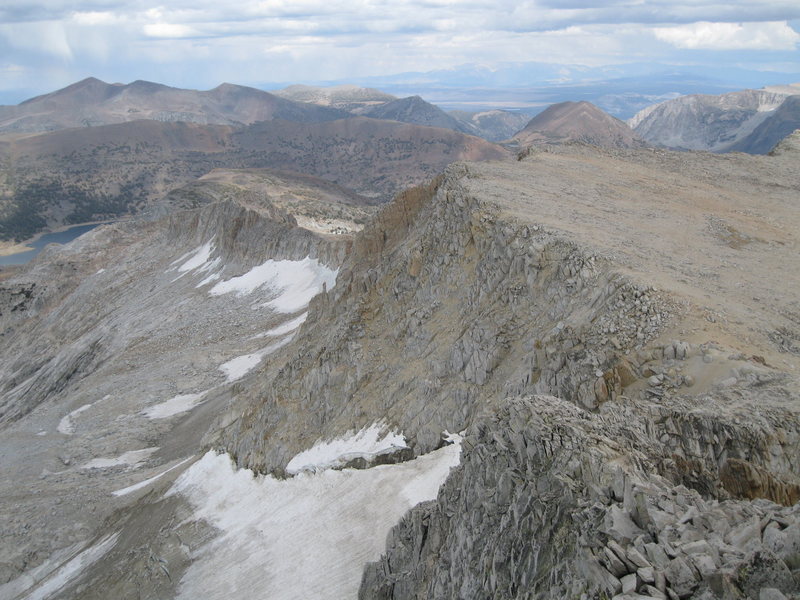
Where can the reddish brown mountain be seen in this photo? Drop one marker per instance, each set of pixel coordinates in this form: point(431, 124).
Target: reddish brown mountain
point(578, 122)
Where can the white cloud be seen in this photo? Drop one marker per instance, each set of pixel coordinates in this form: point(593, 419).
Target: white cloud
point(168, 30)
point(770, 35)
point(94, 18)
point(202, 42)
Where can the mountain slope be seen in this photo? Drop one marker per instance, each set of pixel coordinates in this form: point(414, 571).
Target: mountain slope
point(89, 173)
point(780, 123)
point(92, 102)
point(417, 111)
point(705, 122)
point(577, 121)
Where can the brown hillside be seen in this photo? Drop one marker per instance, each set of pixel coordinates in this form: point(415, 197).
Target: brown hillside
point(578, 122)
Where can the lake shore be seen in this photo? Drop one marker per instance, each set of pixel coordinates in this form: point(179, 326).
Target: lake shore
point(9, 248)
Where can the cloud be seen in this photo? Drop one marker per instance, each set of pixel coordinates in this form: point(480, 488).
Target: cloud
point(40, 37)
point(774, 35)
point(169, 30)
point(94, 18)
point(202, 42)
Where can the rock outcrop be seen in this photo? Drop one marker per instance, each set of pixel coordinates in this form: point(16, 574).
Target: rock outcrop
point(552, 502)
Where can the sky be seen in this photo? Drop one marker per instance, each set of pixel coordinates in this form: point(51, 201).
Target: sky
point(48, 44)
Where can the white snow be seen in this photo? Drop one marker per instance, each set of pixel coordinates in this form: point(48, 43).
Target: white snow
point(367, 444)
point(146, 482)
point(285, 328)
point(70, 570)
point(295, 282)
point(238, 367)
point(132, 457)
point(65, 425)
point(174, 406)
point(210, 279)
point(305, 537)
point(198, 257)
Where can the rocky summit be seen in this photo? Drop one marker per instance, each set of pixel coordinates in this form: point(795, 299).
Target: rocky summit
point(568, 374)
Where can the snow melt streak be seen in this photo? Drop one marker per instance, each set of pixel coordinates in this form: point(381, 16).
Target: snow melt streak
point(367, 444)
point(73, 568)
point(305, 537)
point(238, 367)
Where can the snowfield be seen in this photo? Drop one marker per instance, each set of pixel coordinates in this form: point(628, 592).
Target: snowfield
point(57, 579)
point(287, 327)
point(305, 537)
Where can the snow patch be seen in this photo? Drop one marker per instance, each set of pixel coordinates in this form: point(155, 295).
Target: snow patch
point(198, 259)
point(305, 537)
point(238, 367)
point(174, 406)
point(295, 282)
point(132, 458)
point(285, 328)
point(210, 279)
point(366, 444)
point(65, 425)
point(146, 482)
point(73, 568)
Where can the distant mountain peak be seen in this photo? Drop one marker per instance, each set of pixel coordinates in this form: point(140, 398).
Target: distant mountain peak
point(578, 121)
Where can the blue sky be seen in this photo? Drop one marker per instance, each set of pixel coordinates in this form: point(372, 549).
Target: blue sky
point(47, 44)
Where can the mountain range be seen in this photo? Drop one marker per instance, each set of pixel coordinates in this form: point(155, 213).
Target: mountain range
point(95, 150)
point(92, 102)
point(493, 125)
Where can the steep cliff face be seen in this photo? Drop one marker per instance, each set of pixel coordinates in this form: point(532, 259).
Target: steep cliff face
point(617, 434)
point(442, 310)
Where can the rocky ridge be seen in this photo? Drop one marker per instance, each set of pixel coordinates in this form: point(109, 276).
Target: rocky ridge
point(647, 450)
